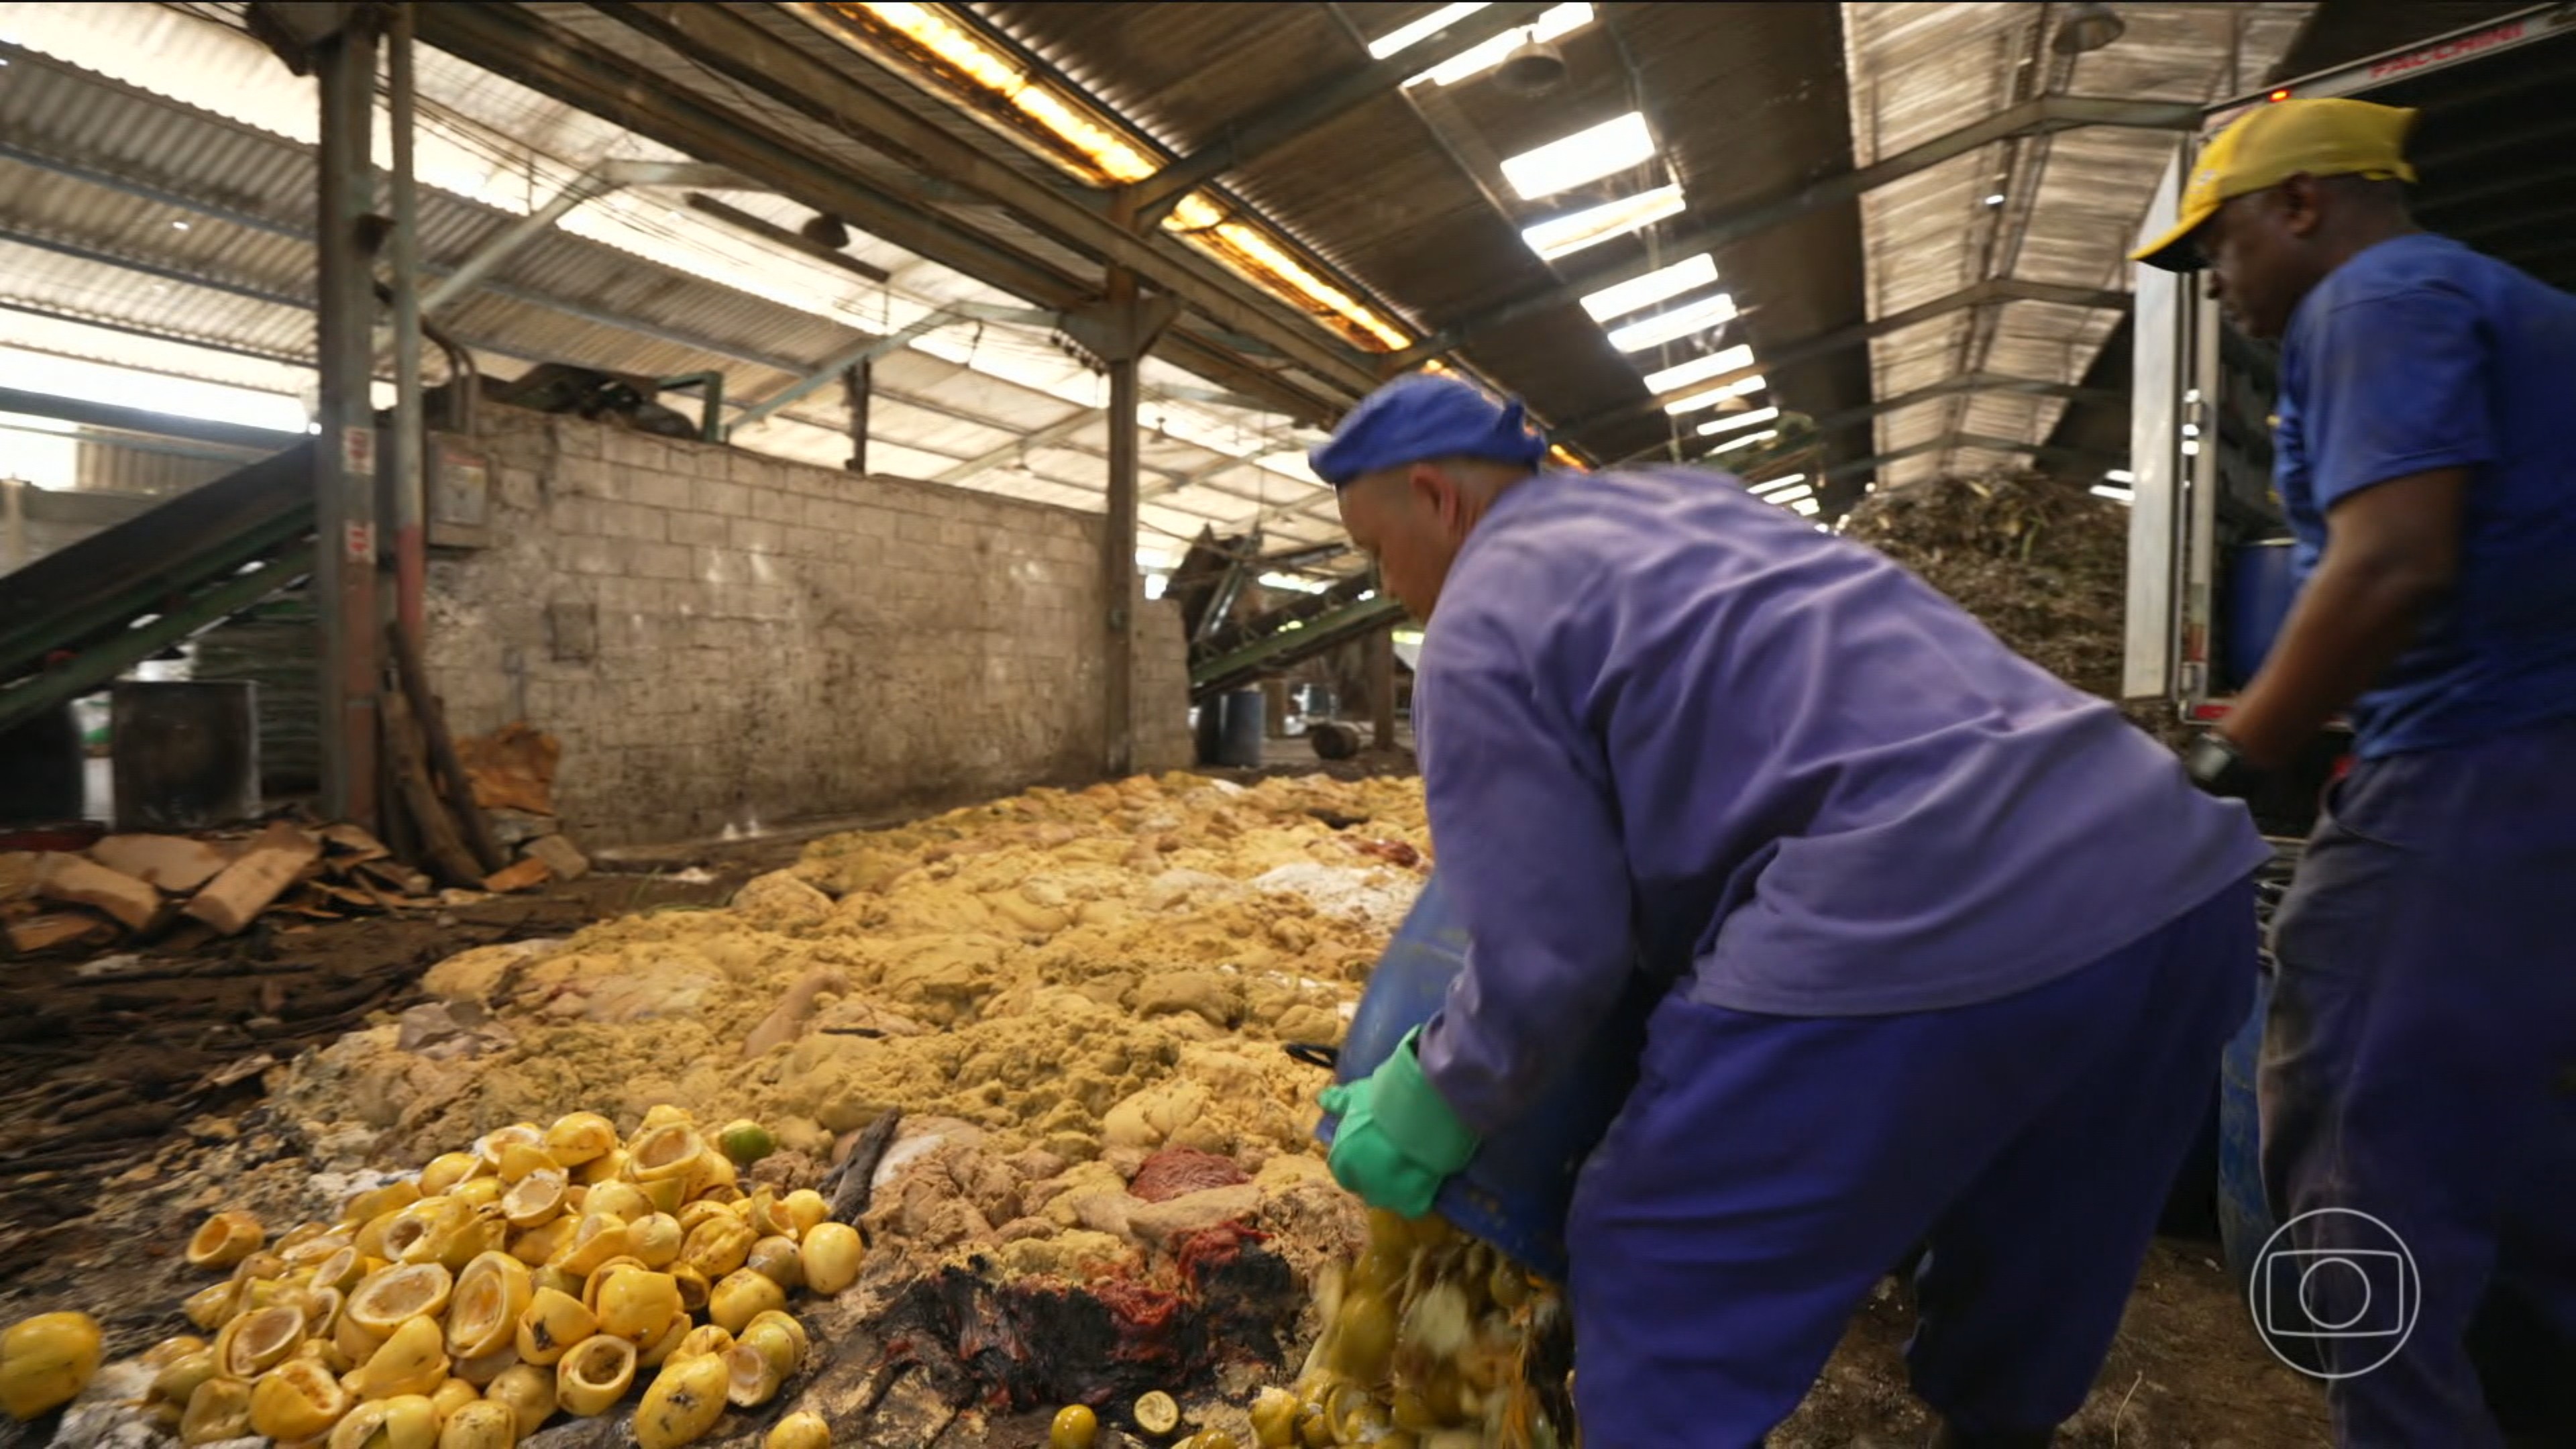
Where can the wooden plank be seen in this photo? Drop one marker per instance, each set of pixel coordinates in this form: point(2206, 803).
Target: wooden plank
point(83, 882)
point(447, 854)
point(277, 856)
point(440, 749)
point(560, 855)
point(57, 930)
point(173, 862)
point(393, 876)
point(525, 875)
point(349, 844)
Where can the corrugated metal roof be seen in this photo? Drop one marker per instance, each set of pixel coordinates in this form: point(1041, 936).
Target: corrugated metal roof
point(1405, 194)
point(2070, 203)
point(200, 126)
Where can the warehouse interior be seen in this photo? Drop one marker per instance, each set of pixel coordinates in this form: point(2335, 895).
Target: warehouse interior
point(752, 570)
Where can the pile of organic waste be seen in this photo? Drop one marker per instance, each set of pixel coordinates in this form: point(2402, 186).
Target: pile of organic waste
point(1061, 1016)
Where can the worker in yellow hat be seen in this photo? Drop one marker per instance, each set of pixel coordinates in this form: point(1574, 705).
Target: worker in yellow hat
point(2415, 1087)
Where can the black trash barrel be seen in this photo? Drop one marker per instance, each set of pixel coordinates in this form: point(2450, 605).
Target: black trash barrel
point(1245, 723)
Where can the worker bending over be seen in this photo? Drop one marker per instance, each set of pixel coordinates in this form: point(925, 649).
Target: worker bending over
point(1951, 948)
point(2416, 1066)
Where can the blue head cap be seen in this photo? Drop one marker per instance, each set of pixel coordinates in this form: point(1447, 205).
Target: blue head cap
point(1421, 416)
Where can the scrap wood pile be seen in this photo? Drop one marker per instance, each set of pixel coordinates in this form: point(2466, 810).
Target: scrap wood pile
point(146, 888)
point(141, 886)
point(2038, 560)
point(155, 888)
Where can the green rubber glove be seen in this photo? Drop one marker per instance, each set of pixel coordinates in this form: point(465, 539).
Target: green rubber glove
point(1397, 1141)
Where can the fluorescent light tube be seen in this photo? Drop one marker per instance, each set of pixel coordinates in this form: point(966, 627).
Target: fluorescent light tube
point(1587, 155)
point(1725, 359)
point(1682, 321)
point(1568, 234)
point(1405, 37)
point(1640, 292)
point(1713, 396)
point(1748, 440)
point(1732, 421)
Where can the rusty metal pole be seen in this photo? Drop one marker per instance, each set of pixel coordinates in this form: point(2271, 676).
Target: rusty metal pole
point(344, 455)
point(1118, 542)
point(1119, 330)
point(411, 566)
point(860, 383)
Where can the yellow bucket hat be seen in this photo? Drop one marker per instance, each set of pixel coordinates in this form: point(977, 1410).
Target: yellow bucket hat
point(2274, 142)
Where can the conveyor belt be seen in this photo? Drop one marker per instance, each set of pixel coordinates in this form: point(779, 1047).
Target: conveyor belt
point(1352, 609)
point(75, 619)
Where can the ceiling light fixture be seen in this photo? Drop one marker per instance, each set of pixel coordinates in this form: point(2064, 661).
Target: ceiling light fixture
point(1655, 286)
point(1804, 507)
point(1533, 69)
point(1747, 441)
point(1770, 486)
point(2120, 475)
point(1725, 359)
point(1732, 421)
point(1565, 235)
point(1744, 387)
point(1468, 64)
point(1091, 147)
point(2122, 496)
point(2086, 28)
point(1405, 37)
point(1698, 316)
point(1587, 155)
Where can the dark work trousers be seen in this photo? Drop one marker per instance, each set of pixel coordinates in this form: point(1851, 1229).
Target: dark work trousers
point(2419, 1132)
point(1767, 1170)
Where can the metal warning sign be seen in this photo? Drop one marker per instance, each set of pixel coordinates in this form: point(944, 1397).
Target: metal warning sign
point(358, 450)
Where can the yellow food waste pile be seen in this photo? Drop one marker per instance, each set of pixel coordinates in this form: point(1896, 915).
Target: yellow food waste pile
point(543, 1271)
point(1430, 1341)
point(1049, 987)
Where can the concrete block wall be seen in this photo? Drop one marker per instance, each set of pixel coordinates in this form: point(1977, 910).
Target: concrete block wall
point(725, 642)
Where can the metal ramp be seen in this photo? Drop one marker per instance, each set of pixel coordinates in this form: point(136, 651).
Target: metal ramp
point(75, 619)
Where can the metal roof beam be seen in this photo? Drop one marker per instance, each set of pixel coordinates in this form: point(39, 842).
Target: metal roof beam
point(1054, 432)
point(1199, 475)
point(1978, 294)
point(138, 420)
point(771, 232)
point(508, 42)
point(600, 179)
point(2031, 118)
point(718, 37)
point(1272, 127)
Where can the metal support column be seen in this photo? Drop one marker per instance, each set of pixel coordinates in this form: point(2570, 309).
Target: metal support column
point(1119, 331)
point(860, 383)
point(410, 562)
point(344, 472)
point(1382, 686)
point(1118, 537)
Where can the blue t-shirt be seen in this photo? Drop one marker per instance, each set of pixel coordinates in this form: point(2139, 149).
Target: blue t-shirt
point(2421, 354)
